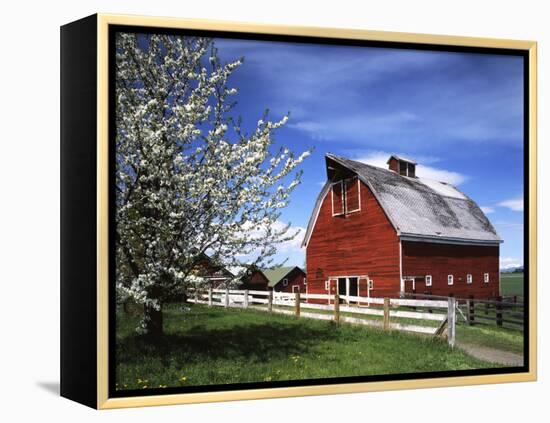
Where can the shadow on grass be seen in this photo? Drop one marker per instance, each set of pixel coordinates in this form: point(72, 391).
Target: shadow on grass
point(249, 341)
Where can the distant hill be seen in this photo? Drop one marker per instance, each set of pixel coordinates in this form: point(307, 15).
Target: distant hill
point(518, 269)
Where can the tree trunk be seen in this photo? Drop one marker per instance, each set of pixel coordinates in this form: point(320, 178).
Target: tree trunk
point(153, 322)
point(125, 306)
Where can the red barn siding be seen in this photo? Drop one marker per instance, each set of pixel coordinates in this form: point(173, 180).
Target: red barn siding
point(441, 260)
point(295, 278)
point(360, 243)
point(394, 165)
point(256, 281)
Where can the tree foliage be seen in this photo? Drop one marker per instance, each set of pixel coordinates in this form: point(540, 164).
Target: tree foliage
point(189, 180)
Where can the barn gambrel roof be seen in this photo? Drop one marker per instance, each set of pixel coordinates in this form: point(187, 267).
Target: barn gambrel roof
point(418, 208)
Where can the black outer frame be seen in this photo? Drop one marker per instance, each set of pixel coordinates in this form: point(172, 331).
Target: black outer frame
point(79, 211)
point(79, 59)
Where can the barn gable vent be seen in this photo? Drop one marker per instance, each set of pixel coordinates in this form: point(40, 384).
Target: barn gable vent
point(403, 166)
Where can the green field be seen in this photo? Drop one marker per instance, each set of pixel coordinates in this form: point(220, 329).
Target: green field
point(216, 346)
point(511, 284)
point(503, 339)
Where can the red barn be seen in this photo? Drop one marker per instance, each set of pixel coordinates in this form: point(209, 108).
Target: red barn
point(281, 279)
point(380, 232)
point(215, 274)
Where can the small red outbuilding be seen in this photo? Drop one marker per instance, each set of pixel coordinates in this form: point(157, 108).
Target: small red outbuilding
point(280, 279)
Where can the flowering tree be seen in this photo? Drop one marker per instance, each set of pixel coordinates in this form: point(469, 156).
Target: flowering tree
point(189, 180)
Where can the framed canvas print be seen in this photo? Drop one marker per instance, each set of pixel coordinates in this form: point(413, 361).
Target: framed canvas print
point(256, 211)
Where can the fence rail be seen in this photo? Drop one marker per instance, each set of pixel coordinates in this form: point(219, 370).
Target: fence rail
point(494, 312)
point(508, 312)
point(348, 309)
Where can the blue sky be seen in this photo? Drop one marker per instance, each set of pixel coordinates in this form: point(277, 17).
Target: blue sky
point(459, 115)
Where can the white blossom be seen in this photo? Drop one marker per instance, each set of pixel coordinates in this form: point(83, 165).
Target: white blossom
point(185, 188)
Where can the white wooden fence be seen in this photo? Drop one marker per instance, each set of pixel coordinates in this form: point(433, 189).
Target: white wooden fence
point(356, 309)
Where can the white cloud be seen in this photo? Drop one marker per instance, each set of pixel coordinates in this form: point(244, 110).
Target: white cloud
point(354, 127)
point(453, 178)
point(510, 262)
point(375, 158)
point(380, 158)
point(515, 204)
point(293, 245)
point(290, 249)
point(487, 209)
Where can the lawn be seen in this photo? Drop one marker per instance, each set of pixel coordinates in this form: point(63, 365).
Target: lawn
point(489, 336)
point(511, 284)
point(204, 346)
point(504, 339)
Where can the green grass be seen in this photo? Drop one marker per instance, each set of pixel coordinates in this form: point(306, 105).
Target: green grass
point(218, 346)
point(511, 284)
point(491, 336)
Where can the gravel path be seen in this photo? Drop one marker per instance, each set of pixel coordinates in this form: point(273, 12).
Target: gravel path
point(492, 355)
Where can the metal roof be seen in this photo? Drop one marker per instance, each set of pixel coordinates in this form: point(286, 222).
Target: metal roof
point(420, 209)
point(401, 159)
point(274, 276)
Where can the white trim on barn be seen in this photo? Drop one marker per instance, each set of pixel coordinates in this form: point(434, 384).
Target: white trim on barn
point(401, 281)
point(341, 196)
point(358, 195)
point(370, 283)
point(315, 214)
point(428, 278)
point(442, 240)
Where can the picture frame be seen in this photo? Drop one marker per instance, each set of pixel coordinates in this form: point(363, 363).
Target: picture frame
point(88, 301)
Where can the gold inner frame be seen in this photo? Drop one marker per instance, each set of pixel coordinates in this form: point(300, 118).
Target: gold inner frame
point(103, 22)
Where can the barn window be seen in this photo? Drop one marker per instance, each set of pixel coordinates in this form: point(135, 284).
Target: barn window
point(285, 282)
point(411, 170)
point(296, 288)
point(338, 198)
point(450, 279)
point(486, 277)
point(469, 278)
point(305, 281)
point(403, 168)
point(428, 280)
point(371, 284)
point(327, 285)
point(352, 195)
point(346, 196)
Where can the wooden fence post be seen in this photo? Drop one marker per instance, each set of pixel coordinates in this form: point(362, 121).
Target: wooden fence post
point(451, 322)
point(471, 310)
point(386, 314)
point(270, 301)
point(245, 299)
point(499, 311)
point(337, 307)
point(210, 296)
point(226, 297)
point(297, 303)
